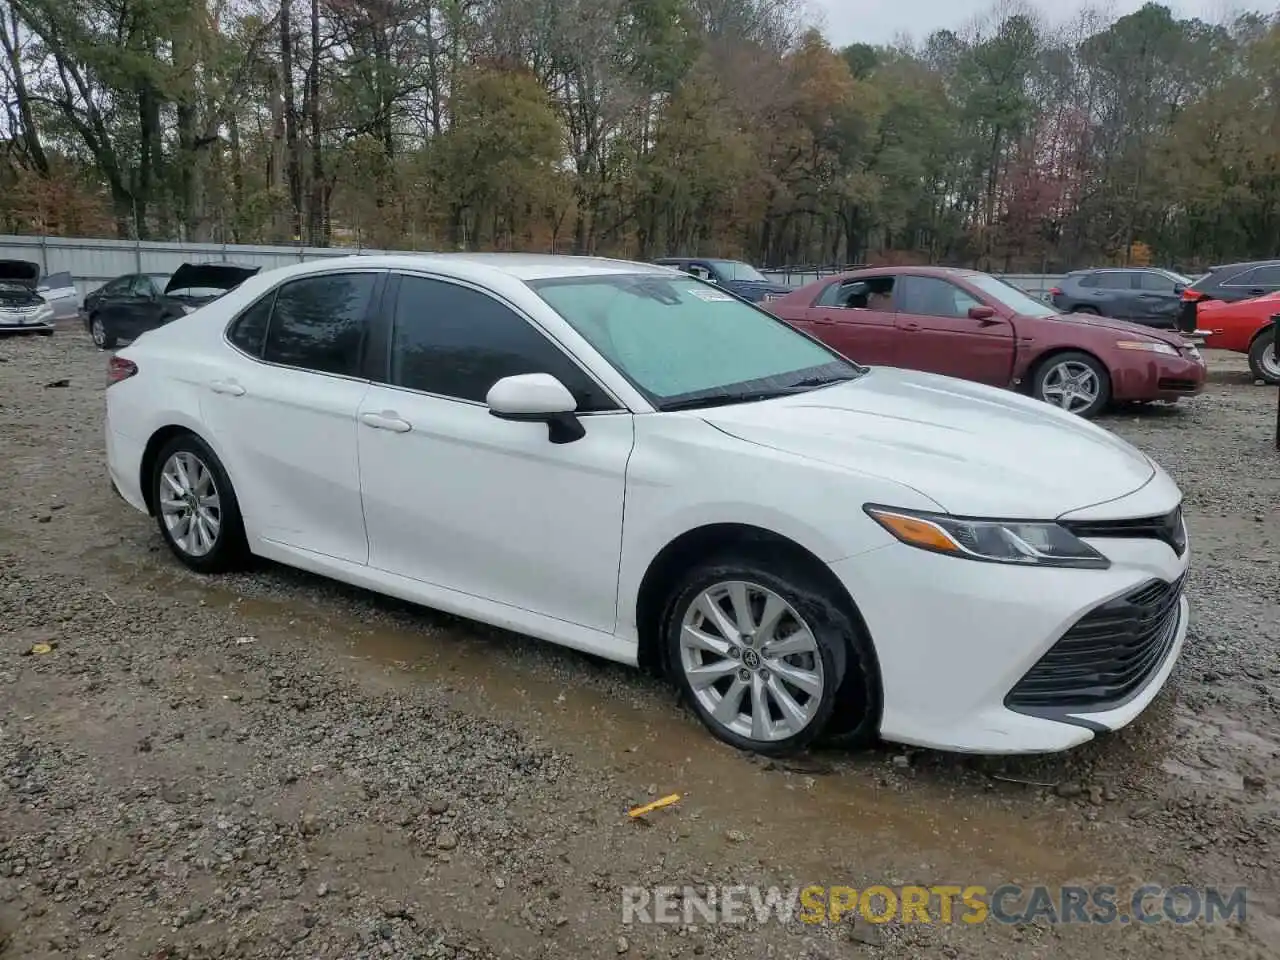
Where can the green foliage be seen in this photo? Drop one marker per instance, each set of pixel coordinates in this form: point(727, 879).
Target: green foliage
point(643, 127)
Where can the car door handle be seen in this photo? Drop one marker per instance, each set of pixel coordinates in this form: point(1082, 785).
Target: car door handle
point(387, 420)
point(229, 387)
point(909, 325)
point(1257, 292)
point(824, 320)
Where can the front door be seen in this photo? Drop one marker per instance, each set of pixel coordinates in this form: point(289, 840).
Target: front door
point(938, 334)
point(458, 498)
point(282, 407)
point(1157, 300)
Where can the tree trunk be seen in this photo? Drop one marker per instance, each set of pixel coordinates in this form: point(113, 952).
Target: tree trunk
point(318, 226)
point(292, 143)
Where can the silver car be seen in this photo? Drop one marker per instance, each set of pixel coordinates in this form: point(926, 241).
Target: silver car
point(22, 309)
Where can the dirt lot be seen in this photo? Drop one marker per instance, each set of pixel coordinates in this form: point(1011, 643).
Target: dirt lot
point(270, 765)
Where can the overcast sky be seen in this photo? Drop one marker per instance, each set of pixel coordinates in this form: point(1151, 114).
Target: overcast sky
point(881, 21)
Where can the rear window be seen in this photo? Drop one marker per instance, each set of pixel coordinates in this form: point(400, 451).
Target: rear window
point(1268, 276)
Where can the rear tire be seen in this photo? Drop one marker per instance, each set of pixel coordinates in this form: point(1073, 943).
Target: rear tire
point(759, 651)
point(1091, 311)
point(196, 508)
point(1263, 362)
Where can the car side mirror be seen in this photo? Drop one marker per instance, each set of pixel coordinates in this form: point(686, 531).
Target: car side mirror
point(1179, 287)
point(981, 312)
point(537, 398)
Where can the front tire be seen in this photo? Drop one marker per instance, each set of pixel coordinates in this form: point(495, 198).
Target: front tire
point(98, 332)
point(196, 508)
point(758, 651)
point(1263, 362)
point(1073, 381)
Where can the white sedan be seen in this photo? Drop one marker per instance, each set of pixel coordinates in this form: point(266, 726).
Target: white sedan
point(631, 462)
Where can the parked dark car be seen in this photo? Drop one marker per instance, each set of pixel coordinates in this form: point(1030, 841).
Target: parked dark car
point(22, 309)
point(961, 323)
point(1144, 295)
point(1230, 283)
point(128, 306)
point(733, 275)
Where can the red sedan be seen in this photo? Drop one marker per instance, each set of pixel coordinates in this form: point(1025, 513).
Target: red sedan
point(974, 326)
point(1244, 327)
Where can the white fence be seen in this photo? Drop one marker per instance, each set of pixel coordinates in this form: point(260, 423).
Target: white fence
point(93, 262)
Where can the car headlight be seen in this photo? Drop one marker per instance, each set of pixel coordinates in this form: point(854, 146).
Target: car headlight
point(1193, 353)
point(43, 312)
point(1150, 346)
point(1035, 544)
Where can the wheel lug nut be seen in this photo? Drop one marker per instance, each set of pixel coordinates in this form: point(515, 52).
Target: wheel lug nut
point(735, 653)
point(744, 674)
point(764, 674)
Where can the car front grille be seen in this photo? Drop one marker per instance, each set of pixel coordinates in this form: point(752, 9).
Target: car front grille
point(1178, 384)
point(1106, 657)
point(1167, 528)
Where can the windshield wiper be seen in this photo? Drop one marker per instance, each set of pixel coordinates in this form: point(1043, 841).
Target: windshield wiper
point(827, 381)
point(723, 399)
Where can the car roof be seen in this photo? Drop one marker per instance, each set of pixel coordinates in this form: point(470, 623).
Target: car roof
point(1242, 265)
point(912, 271)
point(521, 266)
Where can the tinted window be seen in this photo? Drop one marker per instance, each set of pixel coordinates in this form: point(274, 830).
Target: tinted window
point(117, 287)
point(1156, 282)
point(1089, 280)
point(457, 342)
point(931, 297)
point(250, 330)
point(318, 322)
point(1115, 280)
point(1258, 277)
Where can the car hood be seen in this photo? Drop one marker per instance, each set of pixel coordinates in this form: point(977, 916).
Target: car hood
point(217, 276)
point(973, 450)
point(20, 271)
point(1123, 326)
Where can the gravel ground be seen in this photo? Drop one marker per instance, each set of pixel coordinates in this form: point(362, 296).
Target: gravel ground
point(271, 765)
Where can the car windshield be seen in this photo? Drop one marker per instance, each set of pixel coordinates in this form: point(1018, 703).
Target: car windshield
point(737, 270)
point(684, 343)
point(1010, 296)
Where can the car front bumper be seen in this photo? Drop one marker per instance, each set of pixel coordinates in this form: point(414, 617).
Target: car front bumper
point(1158, 377)
point(954, 637)
point(21, 325)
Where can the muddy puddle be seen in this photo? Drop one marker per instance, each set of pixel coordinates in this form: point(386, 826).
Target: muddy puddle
point(949, 814)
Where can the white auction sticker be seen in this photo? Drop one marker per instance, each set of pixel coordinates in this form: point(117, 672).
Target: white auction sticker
point(711, 296)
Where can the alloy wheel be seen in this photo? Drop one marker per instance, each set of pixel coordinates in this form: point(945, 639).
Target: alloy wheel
point(1071, 385)
point(1270, 363)
point(751, 661)
point(98, 331)
point(189, 504)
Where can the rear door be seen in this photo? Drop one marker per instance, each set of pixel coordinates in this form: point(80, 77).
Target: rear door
point(282, 407)
point(938, 334)
point(855, 318)
point(1112, 294)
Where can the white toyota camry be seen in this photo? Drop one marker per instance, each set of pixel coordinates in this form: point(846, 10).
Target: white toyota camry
point(631, 462)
